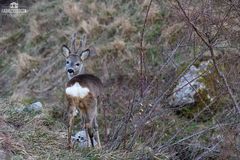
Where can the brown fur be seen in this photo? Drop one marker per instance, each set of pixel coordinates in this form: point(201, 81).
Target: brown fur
point(87, 105)
point(92, 82)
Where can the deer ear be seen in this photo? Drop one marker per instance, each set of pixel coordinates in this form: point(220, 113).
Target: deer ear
point(65, 51)
point(91, 51)
point(85, 54)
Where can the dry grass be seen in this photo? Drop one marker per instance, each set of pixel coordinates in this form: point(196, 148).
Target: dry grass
point(118, 45)
point(114, 28)
point(25, 64)
point(72, 9)
point(90, 26)
point(34, 28)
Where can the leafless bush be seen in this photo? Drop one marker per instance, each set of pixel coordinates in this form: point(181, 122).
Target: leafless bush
point(205, 27)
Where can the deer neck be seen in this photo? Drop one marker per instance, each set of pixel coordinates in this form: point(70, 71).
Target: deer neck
point(81, 71)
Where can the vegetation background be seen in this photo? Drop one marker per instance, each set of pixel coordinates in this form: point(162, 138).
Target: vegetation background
point(139, 66)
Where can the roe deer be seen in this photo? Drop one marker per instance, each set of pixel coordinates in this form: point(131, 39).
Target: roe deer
point(82, 90)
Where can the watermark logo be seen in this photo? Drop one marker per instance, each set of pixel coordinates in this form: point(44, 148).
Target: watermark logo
point(13, 9)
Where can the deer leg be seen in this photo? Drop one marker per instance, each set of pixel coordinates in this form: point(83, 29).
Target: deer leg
point(89, 133)
point(87, 136)
point(82, 121)
point(70, 125)
point(89, 129)
point(95, 126)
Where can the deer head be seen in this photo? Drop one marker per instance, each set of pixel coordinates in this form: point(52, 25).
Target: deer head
point(76, 57)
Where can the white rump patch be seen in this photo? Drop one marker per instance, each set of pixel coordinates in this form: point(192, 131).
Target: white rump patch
point(77, 91)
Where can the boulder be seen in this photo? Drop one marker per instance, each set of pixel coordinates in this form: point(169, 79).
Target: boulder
point(188, 86)
point(35, 107)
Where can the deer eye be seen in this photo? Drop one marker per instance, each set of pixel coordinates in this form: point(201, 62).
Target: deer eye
point(67, 62)
point(77, 64)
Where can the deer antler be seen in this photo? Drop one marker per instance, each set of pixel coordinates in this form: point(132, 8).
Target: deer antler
point(83, 41)
point(73, 42)
point(82, 44)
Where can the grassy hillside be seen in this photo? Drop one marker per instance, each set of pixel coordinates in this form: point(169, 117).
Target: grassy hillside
point(131, 126)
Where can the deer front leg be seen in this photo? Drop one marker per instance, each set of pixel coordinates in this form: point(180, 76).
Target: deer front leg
point(70, 125)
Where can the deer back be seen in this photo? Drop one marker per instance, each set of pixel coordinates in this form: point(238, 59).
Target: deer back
point(84, 84)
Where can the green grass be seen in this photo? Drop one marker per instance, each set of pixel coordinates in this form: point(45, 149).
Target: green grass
point(154, 32)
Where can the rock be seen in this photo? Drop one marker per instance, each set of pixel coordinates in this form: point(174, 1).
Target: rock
point(36, 107)
point(19, 110)
point(3, 155)
point(81, 139)
point(184, 93)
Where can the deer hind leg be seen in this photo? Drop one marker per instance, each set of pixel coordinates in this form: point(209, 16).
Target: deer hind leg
point(95, 126)
point(71, 115)
point(88, 127)
point(91, 113)
point(89, 132)
point(84, 121)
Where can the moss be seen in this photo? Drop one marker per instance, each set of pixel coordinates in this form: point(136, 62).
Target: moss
point(210, 80)
point(28, 100)
point(181, 68)
point(201, 100)
point(197, 64)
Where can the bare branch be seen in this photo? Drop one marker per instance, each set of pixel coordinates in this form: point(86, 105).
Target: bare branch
point(208, 43)
point(201, 132)
point(142, 79)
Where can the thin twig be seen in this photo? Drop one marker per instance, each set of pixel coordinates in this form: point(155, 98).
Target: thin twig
point(142, 79)
point(201, 132)
point(208, 43)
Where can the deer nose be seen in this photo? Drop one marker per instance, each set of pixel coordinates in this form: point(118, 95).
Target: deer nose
point(70, 70)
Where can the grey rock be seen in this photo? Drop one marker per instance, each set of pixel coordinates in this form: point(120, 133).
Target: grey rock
point(3, 155)
point(187, 86)
point(36, 107)
point(19, 110)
